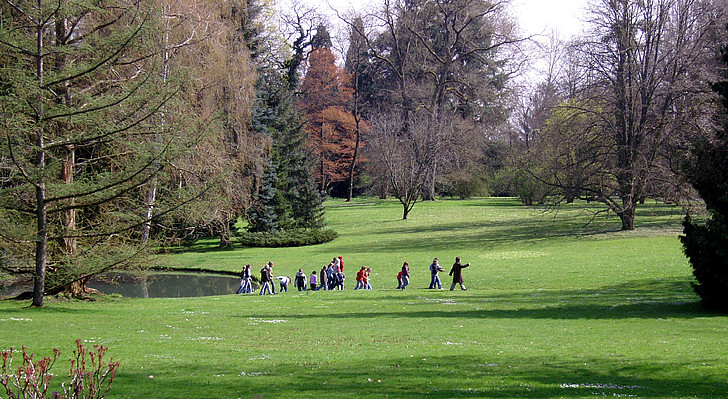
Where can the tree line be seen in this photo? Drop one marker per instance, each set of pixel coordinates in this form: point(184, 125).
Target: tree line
point(130, 125)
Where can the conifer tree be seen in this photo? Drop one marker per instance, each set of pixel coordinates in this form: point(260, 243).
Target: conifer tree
point(705, 243)
point(297, 203)
point(262, 217)
point(81, 134)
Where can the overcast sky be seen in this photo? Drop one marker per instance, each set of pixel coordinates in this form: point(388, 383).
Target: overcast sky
point(535, 16)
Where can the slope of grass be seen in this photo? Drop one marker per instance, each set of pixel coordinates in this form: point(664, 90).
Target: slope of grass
point(553, 309)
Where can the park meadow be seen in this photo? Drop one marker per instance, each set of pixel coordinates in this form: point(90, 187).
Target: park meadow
point(560, 304)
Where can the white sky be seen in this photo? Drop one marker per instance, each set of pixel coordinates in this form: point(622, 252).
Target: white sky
point(535, 16)
point(542, 16)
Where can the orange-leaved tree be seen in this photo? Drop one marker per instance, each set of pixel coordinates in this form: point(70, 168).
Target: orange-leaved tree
point(325, 94)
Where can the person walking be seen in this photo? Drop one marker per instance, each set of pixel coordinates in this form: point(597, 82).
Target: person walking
point(367, 284)
point(435, 269)
point(272, 284)
point(300, 280)
point(242, 282)
point(265, 280)
point(249, 280)
point(405, 275)
point(457, 274)
point(245, 285)
point(324, 280)
point(360, 278)
point(314, 280)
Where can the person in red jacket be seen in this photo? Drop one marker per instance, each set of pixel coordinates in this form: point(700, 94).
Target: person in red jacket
point(360, 276)
point(405, 275)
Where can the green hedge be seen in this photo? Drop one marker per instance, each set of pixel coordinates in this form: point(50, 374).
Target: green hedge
point(288, 238)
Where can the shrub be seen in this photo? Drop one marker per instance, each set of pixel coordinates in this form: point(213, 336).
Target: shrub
point(90, 376)
point(288, 238)
point(705, 246)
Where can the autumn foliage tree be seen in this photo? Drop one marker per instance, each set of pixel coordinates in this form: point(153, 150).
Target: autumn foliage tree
point(325, 95)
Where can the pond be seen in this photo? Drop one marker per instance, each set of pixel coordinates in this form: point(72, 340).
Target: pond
point(152, 284)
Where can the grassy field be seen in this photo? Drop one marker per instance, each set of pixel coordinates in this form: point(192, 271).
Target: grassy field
point(554, 308)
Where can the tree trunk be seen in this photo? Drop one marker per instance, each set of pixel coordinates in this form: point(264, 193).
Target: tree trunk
point(225, 236)
point(69, 220)
point(353, 160)
point(41, 245)
point(151, 197)
point(627, 216)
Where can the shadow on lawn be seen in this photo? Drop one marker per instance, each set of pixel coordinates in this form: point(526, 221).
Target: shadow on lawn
point(640, 299)
point(437, 376)
point(487, 234)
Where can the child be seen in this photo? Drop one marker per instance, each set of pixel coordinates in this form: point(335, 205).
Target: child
point(360, 278)
point(399, 280)
point(314, 280)
point(284, 280)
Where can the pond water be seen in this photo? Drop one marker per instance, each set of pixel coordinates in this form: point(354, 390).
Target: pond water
point(154, 284)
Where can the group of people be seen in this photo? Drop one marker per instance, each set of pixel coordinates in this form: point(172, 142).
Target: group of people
point(456, 272)
point(332, 277)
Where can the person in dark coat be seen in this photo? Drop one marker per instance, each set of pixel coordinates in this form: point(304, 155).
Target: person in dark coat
point(300, 282)
point(324, 283)
point(266, 280)
point(457, 274)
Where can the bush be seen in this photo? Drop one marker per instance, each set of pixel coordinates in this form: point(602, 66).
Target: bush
point(288, 238)
point(90, 376)
point(464, 184)
point(705, 246)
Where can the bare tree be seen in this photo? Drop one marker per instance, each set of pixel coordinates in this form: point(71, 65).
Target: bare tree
point(400, 150)
point(442, 58)
point(642, 58)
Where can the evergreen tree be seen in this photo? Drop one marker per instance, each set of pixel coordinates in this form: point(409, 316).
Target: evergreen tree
point(81, 134)
point(296, 202)
point(705, 244)
point(262, 217)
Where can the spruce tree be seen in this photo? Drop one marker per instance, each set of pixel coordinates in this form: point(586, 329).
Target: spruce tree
point(706, 244)
point(262, 217)
point(296, 201)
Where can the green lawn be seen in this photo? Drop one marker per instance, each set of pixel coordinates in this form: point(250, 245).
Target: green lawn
point(554, 308)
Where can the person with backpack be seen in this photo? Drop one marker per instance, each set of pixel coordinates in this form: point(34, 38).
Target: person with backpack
point(360, 278)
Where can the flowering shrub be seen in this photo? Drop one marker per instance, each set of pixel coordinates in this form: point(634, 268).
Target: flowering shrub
point(32, 379)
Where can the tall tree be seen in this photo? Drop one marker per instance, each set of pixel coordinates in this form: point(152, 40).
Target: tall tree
point(643, 54)
point(325, 94)
point(357, 65)
point(297, 203)
point(83, 92)
point(448, 58)
point(707, 169)
point(206, 39)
